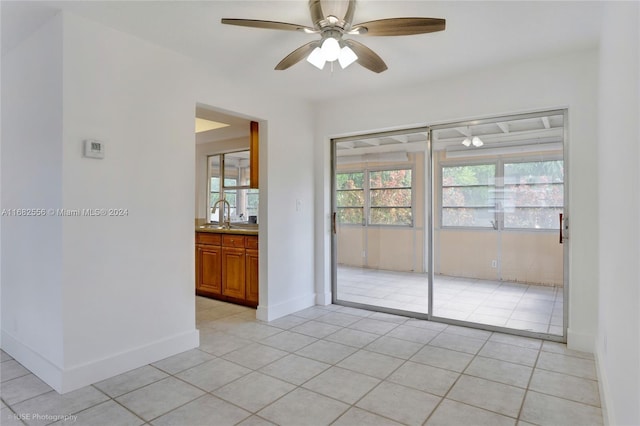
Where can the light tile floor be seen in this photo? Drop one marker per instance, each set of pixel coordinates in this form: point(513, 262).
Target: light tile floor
point(506, 304)
point(327, 365)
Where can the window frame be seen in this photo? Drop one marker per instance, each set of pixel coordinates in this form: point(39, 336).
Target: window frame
point(364, 196)
point(459, 163)
point(536, 159)
point(366, 188)
point(499, 187)
point(224, 188)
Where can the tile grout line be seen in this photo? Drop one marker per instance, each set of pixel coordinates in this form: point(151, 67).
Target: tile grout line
point(462, 373)
point(526, 391)
point(125, 407)
point(354, 405)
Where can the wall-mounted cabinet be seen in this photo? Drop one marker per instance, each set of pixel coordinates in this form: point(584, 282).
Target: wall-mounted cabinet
point(227, 267)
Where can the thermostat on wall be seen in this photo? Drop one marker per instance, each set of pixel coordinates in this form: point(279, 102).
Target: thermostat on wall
point(93, 148)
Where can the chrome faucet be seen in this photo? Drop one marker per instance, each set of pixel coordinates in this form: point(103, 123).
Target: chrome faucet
point(226, 223)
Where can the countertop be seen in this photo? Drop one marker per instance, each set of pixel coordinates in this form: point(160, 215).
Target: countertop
point(236, 228)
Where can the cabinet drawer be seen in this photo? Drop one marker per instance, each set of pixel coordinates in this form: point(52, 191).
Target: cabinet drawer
point(233, 241)
point(251, 242)
point(207, 238)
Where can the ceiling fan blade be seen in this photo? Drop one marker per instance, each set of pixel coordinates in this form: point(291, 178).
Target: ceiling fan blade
point(270, 25)
point(367, 57)
point(297, 55)
point(400, 26)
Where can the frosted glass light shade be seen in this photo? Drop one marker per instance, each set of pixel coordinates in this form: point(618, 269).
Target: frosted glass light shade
point(316, 58)
point(347, 57)
point(330, 49)
point(466, 142)
point(477, 142)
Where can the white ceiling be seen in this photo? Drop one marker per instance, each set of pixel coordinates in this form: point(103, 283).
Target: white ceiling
point(238, 127)
point(478, 34)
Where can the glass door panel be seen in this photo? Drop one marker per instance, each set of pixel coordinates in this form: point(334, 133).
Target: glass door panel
point(379, 205)
point(499, 190)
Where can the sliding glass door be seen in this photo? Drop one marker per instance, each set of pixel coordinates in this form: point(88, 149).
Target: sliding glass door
point(498, 199)
point(459, 222)
point(379, 186)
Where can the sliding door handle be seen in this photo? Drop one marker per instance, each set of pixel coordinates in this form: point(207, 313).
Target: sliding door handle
point(561, 226)
point(333, 223)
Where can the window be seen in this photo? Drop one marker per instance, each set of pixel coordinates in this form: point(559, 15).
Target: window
point(390, 196)
point(509, 195)
point(214, 185)
point(533, 194)
point(350, 198)
point(468, 195)
point(235, 189)
point(380, 197)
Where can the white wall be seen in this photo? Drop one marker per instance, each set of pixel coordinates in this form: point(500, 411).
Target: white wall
point(128, 281)
point(32, 178)
point(618, 345)
point(114, 293)
point(89, 297)
point(569, 81)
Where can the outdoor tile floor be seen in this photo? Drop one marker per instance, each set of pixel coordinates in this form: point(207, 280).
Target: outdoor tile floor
point(327, 365)
point(506, 304)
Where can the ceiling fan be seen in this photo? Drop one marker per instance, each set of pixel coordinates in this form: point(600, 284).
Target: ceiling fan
point(332, 20)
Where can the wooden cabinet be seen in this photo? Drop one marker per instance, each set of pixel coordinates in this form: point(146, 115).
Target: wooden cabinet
point(233, 272)
point(227, 267)
point(209, 271)
point(208, 263)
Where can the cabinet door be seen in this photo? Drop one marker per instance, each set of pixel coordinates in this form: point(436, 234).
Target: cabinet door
point(233, 272)
point(252, 275)
point(208, 263)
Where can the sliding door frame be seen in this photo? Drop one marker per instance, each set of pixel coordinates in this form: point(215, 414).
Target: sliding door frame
point(333, 219)
point(525, 333)
point(430, 191)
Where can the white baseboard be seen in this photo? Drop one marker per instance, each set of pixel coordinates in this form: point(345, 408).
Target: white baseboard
point(603, 387)
point(273, 312)
point(324, 299)
point(70, 379)
point(584, 342)
point(46, 370)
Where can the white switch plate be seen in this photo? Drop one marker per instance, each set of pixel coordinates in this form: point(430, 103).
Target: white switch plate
point(298, 205)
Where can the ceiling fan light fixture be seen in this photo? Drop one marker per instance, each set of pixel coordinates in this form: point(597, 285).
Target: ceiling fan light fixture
point(330, 49)
point(466, 142)
point(477, 142)
point(347, 57)
point(316, 58)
